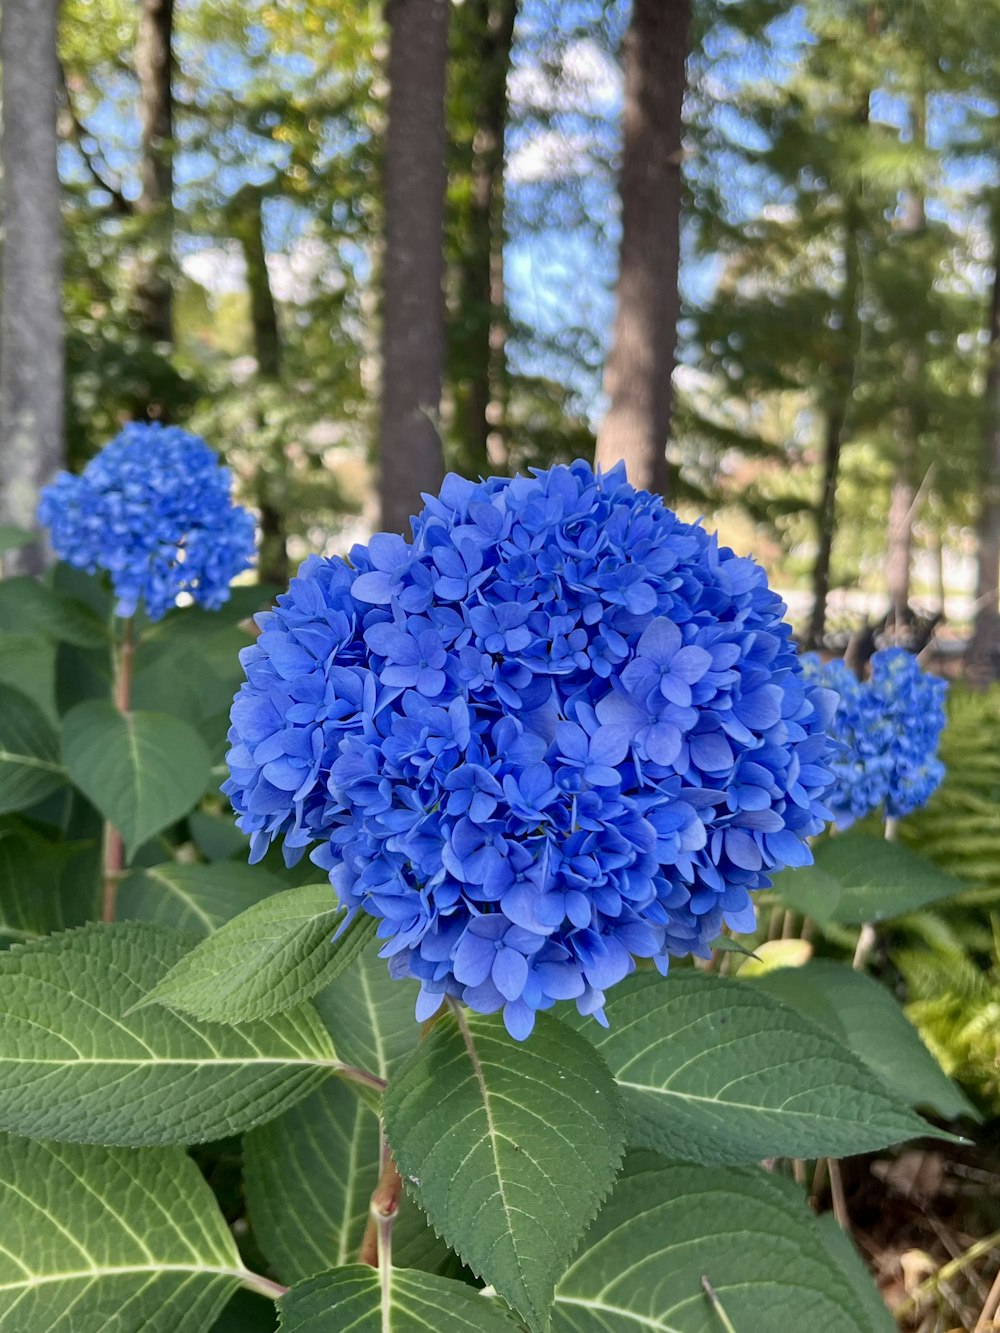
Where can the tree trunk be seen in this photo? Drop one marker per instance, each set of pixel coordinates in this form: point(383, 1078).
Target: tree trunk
point(899, 535)
point(413, 332)
point(836, 425)
point(485, 29)
point(904, 504)
point(983, 659)
point(637, 377)
point(826, 523)
point(272, 563)
point(32, 338)
point(154, 67)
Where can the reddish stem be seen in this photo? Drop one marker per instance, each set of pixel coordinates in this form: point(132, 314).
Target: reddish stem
point(113, 856)
point(383, 1211)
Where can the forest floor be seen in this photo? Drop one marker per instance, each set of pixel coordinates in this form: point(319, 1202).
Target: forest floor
point(928, 1223)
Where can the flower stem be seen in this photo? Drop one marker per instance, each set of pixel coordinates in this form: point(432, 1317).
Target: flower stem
point(867, 939)
point(113, 853)
point(376, 1247)
point(262, 1285)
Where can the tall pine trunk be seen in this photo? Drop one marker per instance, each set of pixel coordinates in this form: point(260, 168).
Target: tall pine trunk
point(411, 459)
point(983, 664)
point(904, 502)
point(32, 336)
point(154, 67)
point(637, 377)
point(272, 564)
point(836, 417)
point(485, 33)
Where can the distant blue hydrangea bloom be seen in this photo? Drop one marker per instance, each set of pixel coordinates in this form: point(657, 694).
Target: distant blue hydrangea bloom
point(887, 730)
point(559, 731)
point(914, 701)
point(154, 508)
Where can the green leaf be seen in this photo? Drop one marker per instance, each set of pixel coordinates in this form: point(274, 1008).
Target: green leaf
point(79, 1061)
point(217, 837)
point(269, 958)
point(864, 1016)
point(370, 1015)
point(190, 678)
point(352, 1298)
point(669, 1226)
point(28, 664)
point(196, 898)
point(508, 1146)
point(840, 1248)
point(716, 1071)
point(309, 1177)
point(248, 1312)
point(32, 900)
point(29, 753)
point(12, 538)
point(809, 890)
point(879, 880)
point(95, 1239)
point(726, 944)
point(142, 770)
point(28, 605)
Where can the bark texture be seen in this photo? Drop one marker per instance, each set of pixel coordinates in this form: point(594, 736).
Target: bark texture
point(411, 459)
point(154, 67)
point(637, 377)
point(486, 34)
point(32, 337)
point(983, 664)
point(840, 394)
point(904, 503)
point(272, 565)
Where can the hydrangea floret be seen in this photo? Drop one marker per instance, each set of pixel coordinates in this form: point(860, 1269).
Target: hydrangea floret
point(886, 730)
point(559, 731)
point(154, 509)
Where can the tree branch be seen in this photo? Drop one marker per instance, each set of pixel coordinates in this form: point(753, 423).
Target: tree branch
point(77, 133)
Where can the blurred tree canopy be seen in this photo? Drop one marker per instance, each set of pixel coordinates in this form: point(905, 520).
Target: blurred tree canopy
point(222, 170)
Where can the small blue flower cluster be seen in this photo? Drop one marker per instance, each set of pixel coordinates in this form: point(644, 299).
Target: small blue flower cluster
point(559, 731)
point(887, 730)
point(154, 508)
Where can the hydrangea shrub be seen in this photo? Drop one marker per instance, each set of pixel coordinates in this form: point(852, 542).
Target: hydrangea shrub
point(559, 731)
point(154, 509)
point(886, 731)
point(516, 766)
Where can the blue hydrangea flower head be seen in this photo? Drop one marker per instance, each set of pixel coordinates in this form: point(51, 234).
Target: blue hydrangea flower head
point(886, 731)
point(914, 700)
point(559, 731)
point(154, 508)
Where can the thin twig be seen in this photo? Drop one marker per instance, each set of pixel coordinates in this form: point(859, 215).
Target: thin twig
point(992, 1304)
point(819, 1180)
point(837, 1194)
point(78, 132)
point(947, 1271)
point(713, 1296)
